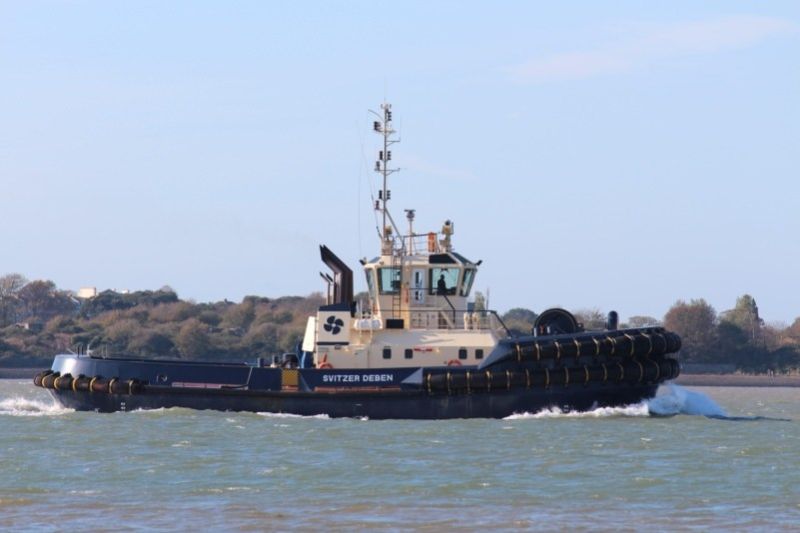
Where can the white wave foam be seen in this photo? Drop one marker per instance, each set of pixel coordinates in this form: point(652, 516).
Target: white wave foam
point(290, 415)
point(19, 406)
point(639, 409)
point(675, 400)
point(157, 410)
point(671, 400)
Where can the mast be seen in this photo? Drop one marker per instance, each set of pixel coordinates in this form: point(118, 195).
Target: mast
point(383, 126)
point(410, 216)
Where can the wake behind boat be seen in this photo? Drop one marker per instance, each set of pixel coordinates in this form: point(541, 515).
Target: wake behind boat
point(421, 348)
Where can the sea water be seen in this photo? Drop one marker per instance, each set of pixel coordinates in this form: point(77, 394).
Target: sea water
point(689, 459)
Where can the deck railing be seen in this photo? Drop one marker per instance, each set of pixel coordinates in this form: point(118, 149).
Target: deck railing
point(452, 319)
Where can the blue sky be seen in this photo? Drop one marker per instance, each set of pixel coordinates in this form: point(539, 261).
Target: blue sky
point(593, 155)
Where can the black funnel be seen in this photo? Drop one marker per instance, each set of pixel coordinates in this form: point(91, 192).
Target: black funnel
point(342, 277)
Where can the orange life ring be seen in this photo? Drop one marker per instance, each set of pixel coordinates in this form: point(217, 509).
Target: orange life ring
point(454, 362)
point(431, 242)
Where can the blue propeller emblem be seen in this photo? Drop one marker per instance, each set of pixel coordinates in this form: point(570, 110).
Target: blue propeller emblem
point(333, 325)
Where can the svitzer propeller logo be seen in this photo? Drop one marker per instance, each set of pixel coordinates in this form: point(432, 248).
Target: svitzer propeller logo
point(333, 325)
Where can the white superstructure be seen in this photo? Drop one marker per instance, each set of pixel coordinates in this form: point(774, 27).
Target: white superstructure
point(419, 311)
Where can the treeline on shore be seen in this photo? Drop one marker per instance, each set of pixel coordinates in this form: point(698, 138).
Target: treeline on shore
point(38, 320)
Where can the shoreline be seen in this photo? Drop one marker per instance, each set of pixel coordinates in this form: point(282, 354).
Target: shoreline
point(738, 380)
point(690, 380)
point(19, 372)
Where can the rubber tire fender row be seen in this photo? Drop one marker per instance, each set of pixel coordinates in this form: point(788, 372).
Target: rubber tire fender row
point(629, 371)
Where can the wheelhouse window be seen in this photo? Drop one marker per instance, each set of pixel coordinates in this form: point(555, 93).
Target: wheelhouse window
point(371, 282)
point(444, 280)
point(469, 277)
point(389, 280)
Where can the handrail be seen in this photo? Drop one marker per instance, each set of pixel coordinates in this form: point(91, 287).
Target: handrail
point(419, 244)
point(446, 299)
point(419, 320)
point(508, 331)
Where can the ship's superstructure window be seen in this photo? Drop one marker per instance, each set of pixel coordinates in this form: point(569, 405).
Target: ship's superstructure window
point(462, 353)
point(469, 277)
point(418, 285)
point(409, 353)
point(479, 353)
point(371, 282)
point(443, 280)
point(387, 353)
point(389, 280)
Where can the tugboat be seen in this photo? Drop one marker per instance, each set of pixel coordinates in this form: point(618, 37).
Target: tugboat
point(420, 348)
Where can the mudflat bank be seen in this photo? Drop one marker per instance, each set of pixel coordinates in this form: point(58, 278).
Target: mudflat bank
point(19, 373)
point(739, 380)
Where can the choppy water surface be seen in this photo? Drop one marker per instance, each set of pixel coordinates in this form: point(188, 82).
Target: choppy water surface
point(728, 458)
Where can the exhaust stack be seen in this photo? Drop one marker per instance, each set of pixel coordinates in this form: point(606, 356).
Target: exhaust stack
point(342, 277)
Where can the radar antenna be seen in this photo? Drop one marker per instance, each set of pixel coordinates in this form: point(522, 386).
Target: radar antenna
point(383, 126)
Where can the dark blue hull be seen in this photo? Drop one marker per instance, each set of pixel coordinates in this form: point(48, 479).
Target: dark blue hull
point(107, 385)
point(373, 405)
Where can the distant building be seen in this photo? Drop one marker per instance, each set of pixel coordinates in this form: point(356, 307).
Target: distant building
point(33, 327)
point(85, 293)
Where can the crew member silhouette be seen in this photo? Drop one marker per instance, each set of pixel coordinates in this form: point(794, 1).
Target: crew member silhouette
point(441, 286)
